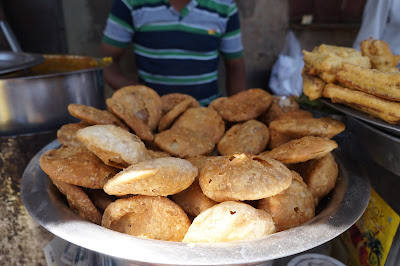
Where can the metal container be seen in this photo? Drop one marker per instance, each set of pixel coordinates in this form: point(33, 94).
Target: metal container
point(36, 99)
point(383, 148)
point(344, 207)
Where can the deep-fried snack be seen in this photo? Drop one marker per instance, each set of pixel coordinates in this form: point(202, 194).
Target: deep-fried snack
point(170, 100)
point(325, 61)
point(114, 146)
point(313, 86)
point(99, 198)
point(204, 121)
point(183, 142)
point(143, 102)
point(381, 84)
point(243, 177)
point(192, 200)
point(337, 50)
point(244, 105)
point(155, 177)
point(66, 135)
point(158, 154)
point(279, 106)
point(380, 55)
point(77, 166)
point(94, 116)
point(137, 125)
point(147, 217)
point(320, 175)
point(229, 221)
point(250, 137)
point(216, 102)
point(291, 207)
point(199, 161)
point(168, 118)
point(301, 150)
point(386, 110)
point(277, 139)
point(78, 201)
point(325, 127)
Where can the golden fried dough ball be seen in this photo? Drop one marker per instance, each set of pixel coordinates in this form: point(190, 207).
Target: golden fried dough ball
point(183, 142)
point(114, 145)
point(155, 177)
point(204, 121)
point(192, 200)
point(142, 101)
point(168, 118)
point(243, 177)
point(324, 127)
point(279, 106)
point(100, 198)
point(66, 135)
point(250, 137)
point(301, 150)
point(291, 207)
point(320, 175)
point(229, 221)
point(170, 100)
point(78, 201)
point(244, 105)
point(77, 166)
point(94, 116)
point(147, 217)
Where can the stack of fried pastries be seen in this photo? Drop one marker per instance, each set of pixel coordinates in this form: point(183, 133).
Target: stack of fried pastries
point(368, 81)
point(166, 168)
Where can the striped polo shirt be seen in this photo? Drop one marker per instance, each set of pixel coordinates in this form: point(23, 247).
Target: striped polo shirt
point(177, 51)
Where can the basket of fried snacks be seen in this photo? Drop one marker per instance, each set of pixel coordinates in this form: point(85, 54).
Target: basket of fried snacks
point(161, 179)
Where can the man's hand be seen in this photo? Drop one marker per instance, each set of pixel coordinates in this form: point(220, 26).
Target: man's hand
point(113, 75)
point(235, 75)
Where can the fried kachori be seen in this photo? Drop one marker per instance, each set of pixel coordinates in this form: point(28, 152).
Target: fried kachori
point(114, 146)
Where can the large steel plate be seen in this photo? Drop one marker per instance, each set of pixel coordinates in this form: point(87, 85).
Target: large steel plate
point(392, 129)
point(346, 204)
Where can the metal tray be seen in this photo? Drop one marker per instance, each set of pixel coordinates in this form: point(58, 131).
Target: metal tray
point(393, 129)
point(382, 148)
point(347, 203)
point(13, 61)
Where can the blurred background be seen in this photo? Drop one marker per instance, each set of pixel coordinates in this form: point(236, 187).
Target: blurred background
point(76, 26)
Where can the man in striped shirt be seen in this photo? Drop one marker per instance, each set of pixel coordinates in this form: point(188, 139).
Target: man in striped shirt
point(177, 45)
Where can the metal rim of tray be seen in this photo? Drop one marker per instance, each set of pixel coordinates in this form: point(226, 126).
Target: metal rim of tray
point(348, 202)
point(392, 129)
point(14, 61)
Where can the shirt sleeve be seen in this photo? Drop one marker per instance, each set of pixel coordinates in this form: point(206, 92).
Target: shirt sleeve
point(119, 28)
point(231, 41)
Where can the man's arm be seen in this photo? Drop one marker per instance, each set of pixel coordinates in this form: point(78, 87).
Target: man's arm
point(113, 75)
point(235, 75)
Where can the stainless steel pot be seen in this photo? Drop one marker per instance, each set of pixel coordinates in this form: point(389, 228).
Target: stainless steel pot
point(36, 99)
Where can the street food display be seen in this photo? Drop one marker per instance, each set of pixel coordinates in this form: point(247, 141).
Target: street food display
point(367, 81)
point(166, 168)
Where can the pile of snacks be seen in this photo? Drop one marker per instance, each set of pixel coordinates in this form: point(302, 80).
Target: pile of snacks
point(367, 81)
point(165, 168)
